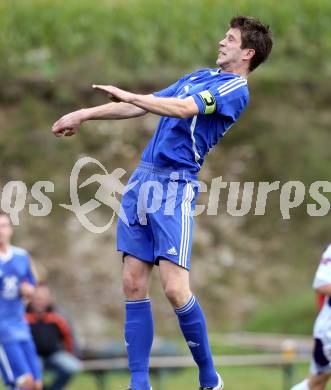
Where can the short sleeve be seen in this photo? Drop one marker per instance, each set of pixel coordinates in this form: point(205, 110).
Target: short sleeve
point(171, 89)
point(228, 99)
point(323, 273)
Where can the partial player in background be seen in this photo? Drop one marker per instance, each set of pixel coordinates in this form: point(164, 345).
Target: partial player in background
point(196, 111)
point(19, 363)
point(320, 369)
point(54, 338)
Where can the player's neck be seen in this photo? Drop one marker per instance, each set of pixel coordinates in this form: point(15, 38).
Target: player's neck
point(239, 71)
point(4, 248)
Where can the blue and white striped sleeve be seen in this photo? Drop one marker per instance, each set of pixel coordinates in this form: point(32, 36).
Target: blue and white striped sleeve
point(228, 99)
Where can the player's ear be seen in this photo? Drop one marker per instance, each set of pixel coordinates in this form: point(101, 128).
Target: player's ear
point(249, 54)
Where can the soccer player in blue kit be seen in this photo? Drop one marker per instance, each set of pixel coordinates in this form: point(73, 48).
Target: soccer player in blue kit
point(196, 112)
point(19, 362)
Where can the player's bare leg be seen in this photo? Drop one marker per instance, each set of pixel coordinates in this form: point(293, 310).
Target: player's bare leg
point(38, 385)
point(139, 328)
point(136, 275)
point(314, 382)
point(176, 284)
point(25, 382)
point(318, 382)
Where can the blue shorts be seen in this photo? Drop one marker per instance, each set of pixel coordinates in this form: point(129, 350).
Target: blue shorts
point(19, 358)
point(157, 215)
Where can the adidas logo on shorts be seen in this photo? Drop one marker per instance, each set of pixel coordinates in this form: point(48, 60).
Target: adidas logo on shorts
point(172, 251)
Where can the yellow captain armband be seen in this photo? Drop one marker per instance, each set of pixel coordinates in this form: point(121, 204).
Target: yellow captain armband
point(209, 101)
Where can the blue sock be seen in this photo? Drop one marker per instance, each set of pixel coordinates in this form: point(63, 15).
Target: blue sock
point(193, 324)
point(139, 332)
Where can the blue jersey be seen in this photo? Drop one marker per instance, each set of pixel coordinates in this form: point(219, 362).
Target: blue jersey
point(183, 143)
point(14, 270)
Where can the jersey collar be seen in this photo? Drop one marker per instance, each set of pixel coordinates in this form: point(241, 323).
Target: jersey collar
point(4, 257)
point(216, 71)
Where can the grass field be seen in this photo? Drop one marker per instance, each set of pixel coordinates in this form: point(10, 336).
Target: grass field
point(235, 378)
point(250, 378)
point(243, 378)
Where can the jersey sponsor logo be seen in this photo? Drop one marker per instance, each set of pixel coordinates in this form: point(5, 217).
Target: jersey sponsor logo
point(192, 344)
point(172, 251)
point(10, 287)
point(209, 100)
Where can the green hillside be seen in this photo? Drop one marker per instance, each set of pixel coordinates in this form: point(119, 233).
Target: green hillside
point(256, 269)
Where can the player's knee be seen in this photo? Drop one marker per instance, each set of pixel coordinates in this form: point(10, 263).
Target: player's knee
point(134, 287)
point(25, 382)
point(176, 294)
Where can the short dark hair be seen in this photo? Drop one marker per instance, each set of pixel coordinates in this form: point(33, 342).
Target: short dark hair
point(254, 35)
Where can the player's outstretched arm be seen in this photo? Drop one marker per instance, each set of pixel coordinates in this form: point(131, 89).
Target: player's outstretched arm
point(173, 107)
point(68, 124)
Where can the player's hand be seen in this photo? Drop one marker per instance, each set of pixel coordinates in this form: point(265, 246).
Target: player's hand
point(68, 124)
point(26, 290)
point(114, 93)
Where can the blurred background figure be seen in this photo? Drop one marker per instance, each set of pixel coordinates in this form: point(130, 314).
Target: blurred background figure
point(53, 337)
point(19, 363)
point(320, 369)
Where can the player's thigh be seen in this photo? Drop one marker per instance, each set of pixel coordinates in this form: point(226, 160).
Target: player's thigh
point(319, 381)
point(38, 385)
point(13, 363)
point(32, 358)
point(135, 270)
point(172, 273)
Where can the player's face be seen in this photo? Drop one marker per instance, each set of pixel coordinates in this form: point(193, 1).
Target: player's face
point(6, 230)
point(230, 53)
